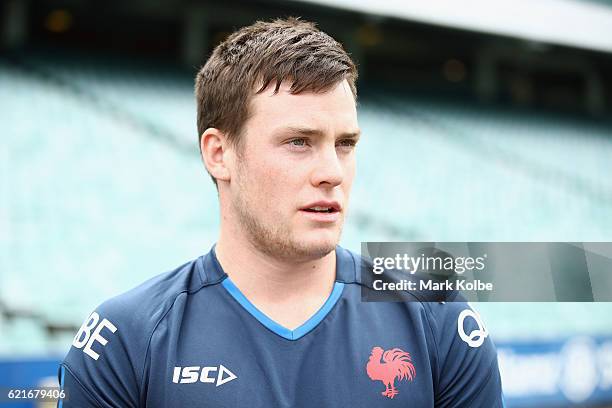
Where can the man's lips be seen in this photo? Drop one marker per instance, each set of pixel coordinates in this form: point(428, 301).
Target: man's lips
point(323, 206)
point(322, 211)
point(324, 217)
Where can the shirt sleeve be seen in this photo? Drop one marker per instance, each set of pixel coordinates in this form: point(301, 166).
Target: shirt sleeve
point(101, 368)
point(77, 395)
point(468, 371)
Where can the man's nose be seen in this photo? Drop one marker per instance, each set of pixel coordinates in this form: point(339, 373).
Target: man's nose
point(327, 168)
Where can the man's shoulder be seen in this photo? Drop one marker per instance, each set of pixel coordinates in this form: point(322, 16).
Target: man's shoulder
point(443, 311)
point(146, 303)
point(117, 333)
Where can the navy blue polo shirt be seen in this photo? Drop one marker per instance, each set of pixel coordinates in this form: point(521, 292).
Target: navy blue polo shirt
point(190, 338)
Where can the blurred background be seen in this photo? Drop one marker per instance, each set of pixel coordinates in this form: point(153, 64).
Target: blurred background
point(482, 121)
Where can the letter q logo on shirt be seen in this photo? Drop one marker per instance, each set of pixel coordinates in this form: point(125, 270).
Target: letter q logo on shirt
point(476, 336)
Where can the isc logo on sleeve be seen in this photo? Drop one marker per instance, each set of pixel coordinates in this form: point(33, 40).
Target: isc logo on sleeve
point(188, 375)
point(91, 332)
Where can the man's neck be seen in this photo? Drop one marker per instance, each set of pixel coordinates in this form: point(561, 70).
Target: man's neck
point(286, 291)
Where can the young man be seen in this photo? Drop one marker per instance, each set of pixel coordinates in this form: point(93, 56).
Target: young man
point(272, 315)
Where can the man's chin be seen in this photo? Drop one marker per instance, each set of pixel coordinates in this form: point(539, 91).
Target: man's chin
point(316, 249)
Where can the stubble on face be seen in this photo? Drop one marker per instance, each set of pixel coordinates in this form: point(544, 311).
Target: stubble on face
point(274, 239)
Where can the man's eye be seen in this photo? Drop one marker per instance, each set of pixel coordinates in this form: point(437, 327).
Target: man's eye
point(348, 143)
point(298, 142)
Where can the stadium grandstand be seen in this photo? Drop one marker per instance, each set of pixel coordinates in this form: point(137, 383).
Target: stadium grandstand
point(489, 121)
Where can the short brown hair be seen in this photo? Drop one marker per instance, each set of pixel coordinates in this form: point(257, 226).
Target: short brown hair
point(264, 53)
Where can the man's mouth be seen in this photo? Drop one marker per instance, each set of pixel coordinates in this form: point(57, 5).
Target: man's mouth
point(321, 209)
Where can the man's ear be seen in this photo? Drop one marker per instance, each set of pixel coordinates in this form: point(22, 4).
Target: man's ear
point(214, 149)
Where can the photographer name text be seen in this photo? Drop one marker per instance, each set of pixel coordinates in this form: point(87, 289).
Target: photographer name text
point(423, 285)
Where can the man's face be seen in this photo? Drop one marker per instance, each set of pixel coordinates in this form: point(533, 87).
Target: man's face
point(298, 152)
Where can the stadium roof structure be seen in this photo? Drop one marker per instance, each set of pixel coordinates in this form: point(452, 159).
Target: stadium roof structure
point(580, 24)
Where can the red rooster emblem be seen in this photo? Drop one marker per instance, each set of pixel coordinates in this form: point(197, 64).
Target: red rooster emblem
point(396, 364)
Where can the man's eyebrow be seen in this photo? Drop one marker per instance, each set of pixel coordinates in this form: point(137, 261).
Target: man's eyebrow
point(305, 131)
